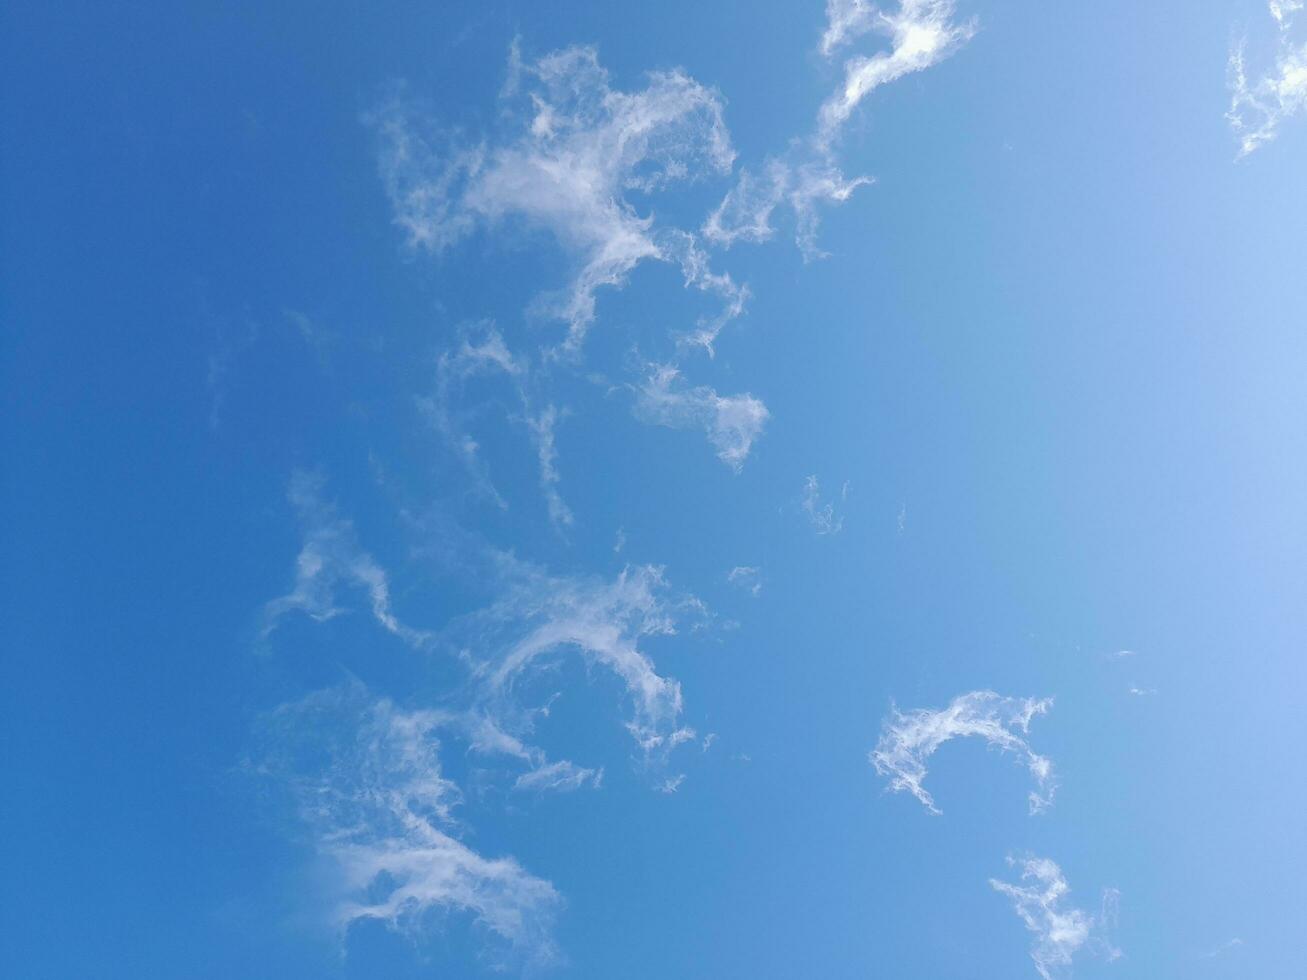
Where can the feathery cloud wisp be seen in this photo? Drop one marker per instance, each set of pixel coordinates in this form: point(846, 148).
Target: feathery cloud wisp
point(732, 422)
point(573, 149)
point(746, 577)
point(542, 431)
point(329, 560)
point(603, 621)
point(1060, 932)
point(367, 782)
point(823, 517)
point(908, 741)
point(1257, 108)
point(454, 368)
point(922, 33)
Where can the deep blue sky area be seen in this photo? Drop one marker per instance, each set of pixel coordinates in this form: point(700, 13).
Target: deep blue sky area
point(391, 590)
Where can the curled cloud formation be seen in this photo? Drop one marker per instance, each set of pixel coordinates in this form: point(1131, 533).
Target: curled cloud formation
point(908, 740)
point(746, 577)
point(604, 622)
point(367, 782)
point(922, 33)
point(535, 617)
point(575, 148)
point(1257, 108)
point(331, 560)
point(732, 422)
point(823, 517)
point(1060, 932)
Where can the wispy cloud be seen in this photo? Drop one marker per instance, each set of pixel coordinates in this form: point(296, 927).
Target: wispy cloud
point(671, 784)
point(330, 561)
point(746, 577)
point(542, 431)
point(1258, 107)
point(732, 422)
point(922, 33)
point(847, 20)
point(1221, 950)
point(684, 248)
point(800, 180)
point(1060, 931)
point(536, 618)
point(908, 740)
point(822, 516)
point(605, 622)
point(572, 149)
point(367, 781)
point(480, 351)
point(558, 776)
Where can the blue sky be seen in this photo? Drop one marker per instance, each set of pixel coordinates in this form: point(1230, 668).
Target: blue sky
point(769, 490)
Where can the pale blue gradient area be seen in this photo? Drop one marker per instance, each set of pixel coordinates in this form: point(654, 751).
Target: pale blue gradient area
point(1062, 337)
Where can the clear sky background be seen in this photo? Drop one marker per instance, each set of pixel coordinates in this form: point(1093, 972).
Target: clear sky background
point(357, 624)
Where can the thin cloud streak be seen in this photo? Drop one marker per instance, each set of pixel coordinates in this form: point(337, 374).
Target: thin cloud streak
point(542, 431)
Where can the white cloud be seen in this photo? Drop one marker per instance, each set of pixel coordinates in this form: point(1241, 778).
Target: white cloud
point(1060, 931)
point(908, 740)
point(684, 248)
point(746, 577)
point(488, 355)
point(732, 422)
point(574, 151)
point(922, 33)
point(542, 431)
point(1258, 107)
point(558, 776)
point(847, 20)
point(798, 180)
point(502, 645)
point(672, 784)
point(482, 351)
point(823, 517)
point(367, 781)
point(1222, 949)
point(330, 561)
point(603, 621)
